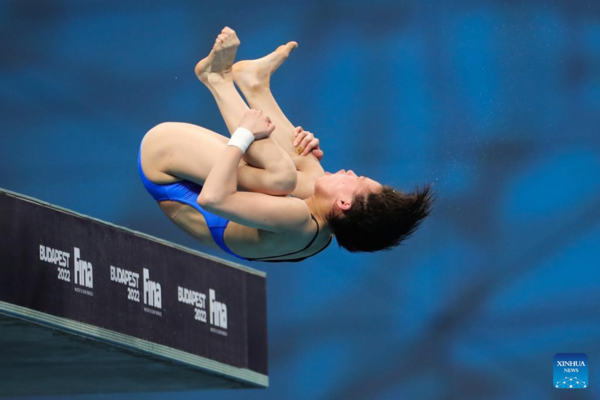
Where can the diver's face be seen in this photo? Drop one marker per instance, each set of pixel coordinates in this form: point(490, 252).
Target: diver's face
point(346, 185)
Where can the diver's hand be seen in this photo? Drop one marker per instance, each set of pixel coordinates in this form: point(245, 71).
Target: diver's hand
point(305, 143)
point(258, 123)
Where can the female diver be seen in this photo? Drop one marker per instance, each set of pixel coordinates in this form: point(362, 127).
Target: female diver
point(263, 196)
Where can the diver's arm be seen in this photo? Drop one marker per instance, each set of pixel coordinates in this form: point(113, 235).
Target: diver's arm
point(280, 176)
point(295, 175)
point(220, 196)
point(221, 181)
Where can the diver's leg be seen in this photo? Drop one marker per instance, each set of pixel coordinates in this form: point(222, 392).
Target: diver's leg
point(215, 71)
point(173, 151)
point(253, 78)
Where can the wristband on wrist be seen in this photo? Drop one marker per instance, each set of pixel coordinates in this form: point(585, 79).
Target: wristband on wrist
point(242, 138)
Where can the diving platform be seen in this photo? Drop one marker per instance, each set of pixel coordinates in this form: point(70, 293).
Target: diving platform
point(90, 307)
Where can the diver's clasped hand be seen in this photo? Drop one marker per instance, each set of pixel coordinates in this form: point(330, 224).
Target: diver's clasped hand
point(305, 143)
point(260, 126)
point(258, 123)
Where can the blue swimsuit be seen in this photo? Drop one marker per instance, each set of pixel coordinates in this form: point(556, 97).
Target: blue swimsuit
point(187, 192)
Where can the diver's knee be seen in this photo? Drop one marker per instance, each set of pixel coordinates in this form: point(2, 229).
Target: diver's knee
point(165, 127)
point(285, 181)
point(160, 131)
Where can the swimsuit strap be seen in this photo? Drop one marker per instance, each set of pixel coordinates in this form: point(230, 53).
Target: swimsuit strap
point(295, 252)
point(303, 258)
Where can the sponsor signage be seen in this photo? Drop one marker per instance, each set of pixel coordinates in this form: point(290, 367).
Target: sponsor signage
point(72, 266)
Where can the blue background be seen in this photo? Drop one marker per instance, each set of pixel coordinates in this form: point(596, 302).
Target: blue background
point(497, 103)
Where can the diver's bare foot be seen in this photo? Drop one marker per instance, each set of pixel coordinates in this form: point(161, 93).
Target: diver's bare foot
point(217, 66)
point(256, 74)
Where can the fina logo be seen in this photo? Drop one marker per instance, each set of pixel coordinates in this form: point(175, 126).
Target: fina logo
point(152, 291)
point(84, 271)
point(218, 311)
point(570, 371)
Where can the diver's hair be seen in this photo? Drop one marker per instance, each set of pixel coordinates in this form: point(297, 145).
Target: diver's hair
point(380, 221)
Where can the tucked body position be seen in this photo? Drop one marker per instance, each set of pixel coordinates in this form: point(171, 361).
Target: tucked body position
point(262, 195)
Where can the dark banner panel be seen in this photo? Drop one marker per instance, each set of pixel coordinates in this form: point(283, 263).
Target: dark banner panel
point(71, 266)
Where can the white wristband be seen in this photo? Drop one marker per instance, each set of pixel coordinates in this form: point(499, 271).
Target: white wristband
point(242, 138)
